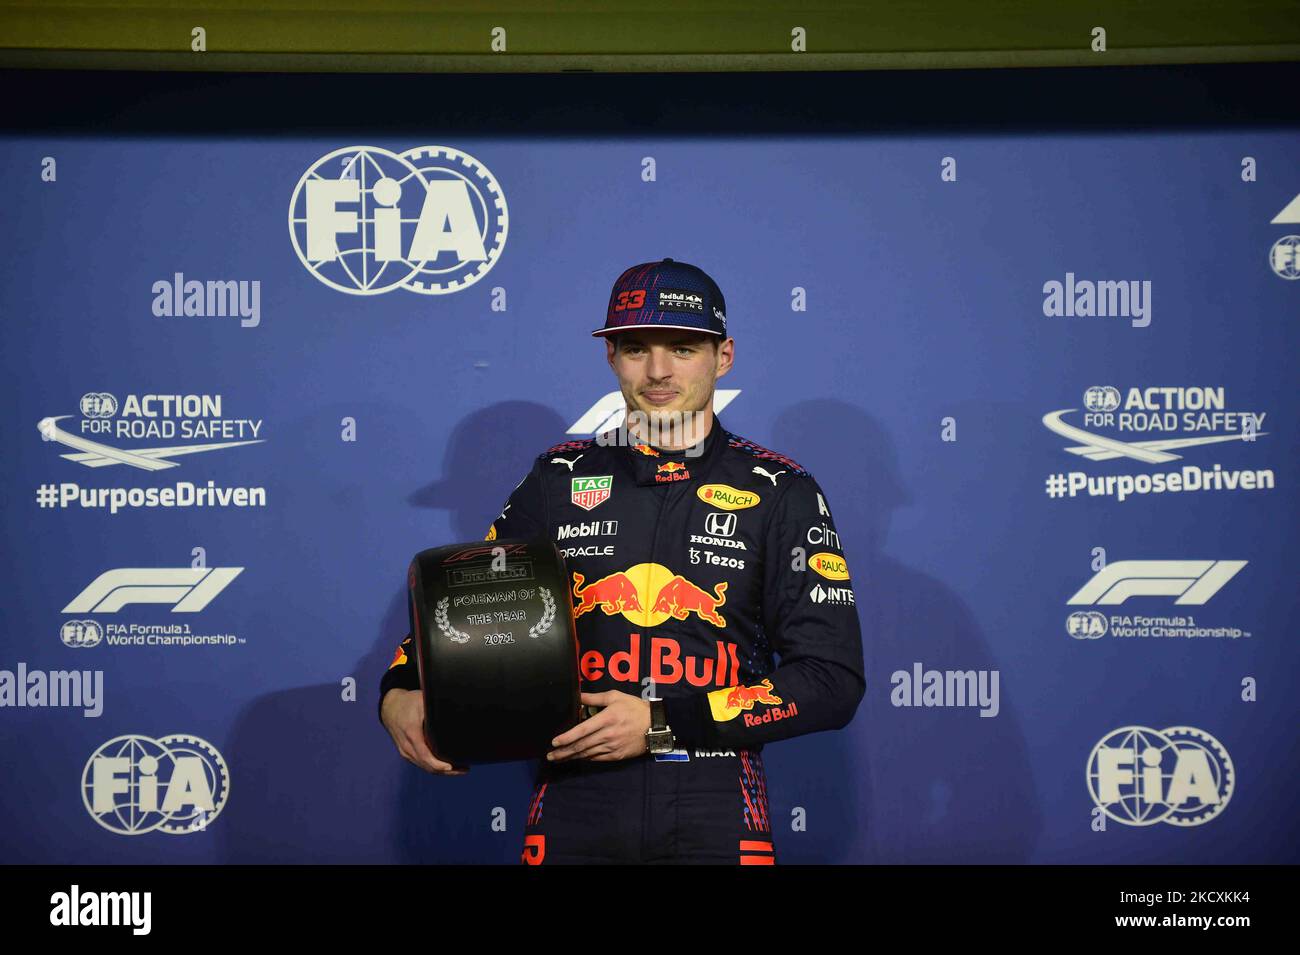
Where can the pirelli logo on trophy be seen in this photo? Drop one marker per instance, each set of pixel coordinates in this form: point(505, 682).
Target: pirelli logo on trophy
point(473, 576)
point(465, 567)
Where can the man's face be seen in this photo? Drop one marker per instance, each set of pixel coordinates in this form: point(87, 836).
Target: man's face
point(667, 370)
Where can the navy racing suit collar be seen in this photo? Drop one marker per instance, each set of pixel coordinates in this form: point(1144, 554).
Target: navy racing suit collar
point(650, 465)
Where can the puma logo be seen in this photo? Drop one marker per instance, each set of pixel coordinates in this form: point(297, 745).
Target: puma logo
point(566, 461)
point(768, 474)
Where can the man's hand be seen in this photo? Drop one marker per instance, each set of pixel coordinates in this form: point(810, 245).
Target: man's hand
point(403, 716)
point(616, 732)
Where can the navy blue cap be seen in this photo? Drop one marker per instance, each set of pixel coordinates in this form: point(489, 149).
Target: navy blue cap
point(666, 294)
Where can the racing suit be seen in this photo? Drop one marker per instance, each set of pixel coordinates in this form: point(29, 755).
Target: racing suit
point(689, 570)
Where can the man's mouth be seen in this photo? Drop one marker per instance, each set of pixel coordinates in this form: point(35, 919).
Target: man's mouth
point(659, 397)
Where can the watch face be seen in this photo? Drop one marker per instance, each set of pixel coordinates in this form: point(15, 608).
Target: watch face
point(659, 741)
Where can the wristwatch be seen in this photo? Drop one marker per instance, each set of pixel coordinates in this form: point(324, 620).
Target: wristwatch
point(659, 737)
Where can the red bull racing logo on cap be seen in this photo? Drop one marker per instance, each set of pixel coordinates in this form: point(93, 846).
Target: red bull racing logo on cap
point(647, 595)
point(587, 492)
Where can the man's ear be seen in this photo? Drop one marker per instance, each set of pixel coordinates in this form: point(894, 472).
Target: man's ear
point(726, 357)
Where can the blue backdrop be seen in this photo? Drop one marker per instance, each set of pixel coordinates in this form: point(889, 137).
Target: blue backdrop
point(912, 383)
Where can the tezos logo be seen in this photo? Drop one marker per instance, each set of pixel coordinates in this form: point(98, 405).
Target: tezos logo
point(1141, 776)
point(136, 784)
point(365, 220)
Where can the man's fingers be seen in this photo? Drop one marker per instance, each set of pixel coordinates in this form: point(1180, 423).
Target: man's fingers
point(424, 757)
point(585, 728)
point(582, 749)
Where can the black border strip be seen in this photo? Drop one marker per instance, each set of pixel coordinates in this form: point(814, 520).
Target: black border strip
point(679, 104)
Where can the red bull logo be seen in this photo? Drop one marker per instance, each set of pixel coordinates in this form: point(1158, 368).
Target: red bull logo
point(740, 700)
point(647, 595)
point(679, 597)
point(771, 715)
point(613, 594)
point(668, 664)
point(645, 449)
point(399, 657)
point(671, 471)
point(744, 697)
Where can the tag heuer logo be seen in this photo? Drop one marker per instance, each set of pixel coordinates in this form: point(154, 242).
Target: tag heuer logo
point(590, 491)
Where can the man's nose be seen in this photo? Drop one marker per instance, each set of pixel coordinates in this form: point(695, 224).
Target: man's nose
point(660, 366)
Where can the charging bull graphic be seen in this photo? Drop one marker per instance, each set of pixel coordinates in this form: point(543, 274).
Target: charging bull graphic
point(613, 594)
point(740, 701)
point(629, 593)
point(744, 697)
point(679, 597)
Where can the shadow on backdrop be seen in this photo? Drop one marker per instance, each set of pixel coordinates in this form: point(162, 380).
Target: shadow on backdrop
point(317, 779)
point(898, 785)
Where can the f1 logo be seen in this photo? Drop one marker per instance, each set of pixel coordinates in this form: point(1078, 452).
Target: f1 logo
point(1193, 582)
point(187, 589)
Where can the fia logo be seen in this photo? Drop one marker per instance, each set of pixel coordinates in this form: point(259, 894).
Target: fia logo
point(365, 220)
point(1181, 776)
point(174, 784)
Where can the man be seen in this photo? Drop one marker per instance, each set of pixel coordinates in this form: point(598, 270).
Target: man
point(694, 556)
